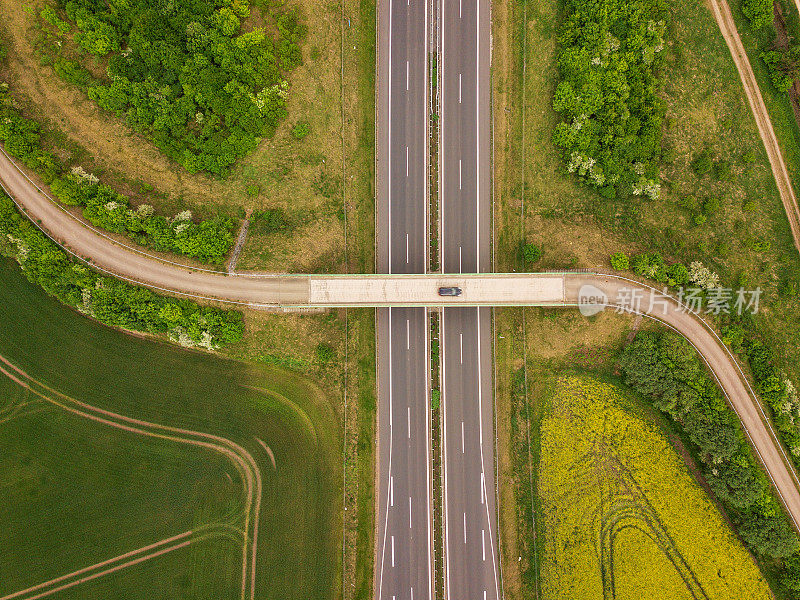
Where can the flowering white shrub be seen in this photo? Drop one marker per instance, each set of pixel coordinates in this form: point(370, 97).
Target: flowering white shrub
point(181, 227)
point(703, 276)
point(86, 302)
point(22, 248)
point(647, 187)
point(82, 176)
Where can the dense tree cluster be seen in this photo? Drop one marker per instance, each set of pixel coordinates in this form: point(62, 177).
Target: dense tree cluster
point(109, 300)
point(665, 368)
point(609, 53)
point(783, 66)
point(207, 240)
point(184, 74)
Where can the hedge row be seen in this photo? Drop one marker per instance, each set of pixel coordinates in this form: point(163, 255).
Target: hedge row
point(109, 300)
point(665, 368)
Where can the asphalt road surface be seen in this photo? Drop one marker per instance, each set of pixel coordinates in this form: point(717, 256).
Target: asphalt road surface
point(472, 570)
point(403, 566)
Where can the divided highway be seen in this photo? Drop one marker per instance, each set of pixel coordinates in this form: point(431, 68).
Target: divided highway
point(403, 565)
point(472, 560)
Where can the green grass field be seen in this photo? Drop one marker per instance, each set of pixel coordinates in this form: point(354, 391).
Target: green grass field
point(78, 491)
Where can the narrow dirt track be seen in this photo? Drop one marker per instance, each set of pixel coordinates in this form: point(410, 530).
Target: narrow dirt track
point(727, 26)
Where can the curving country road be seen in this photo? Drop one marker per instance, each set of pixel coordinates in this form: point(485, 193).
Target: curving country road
point(134, 265)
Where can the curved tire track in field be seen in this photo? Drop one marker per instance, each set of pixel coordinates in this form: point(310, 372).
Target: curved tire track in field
point(123, 561)
point(241, 458)
point(727, 26)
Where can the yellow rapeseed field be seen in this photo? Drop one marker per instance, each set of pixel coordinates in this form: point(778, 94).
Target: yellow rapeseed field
point(623, 519)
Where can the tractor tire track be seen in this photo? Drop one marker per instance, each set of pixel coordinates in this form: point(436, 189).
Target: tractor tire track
point(241, 458)
point(164, 546)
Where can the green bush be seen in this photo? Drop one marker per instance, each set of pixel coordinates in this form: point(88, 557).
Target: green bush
point(72, 72)
point(651, 266)
point(781, 80)
point(703, 162)
point(22, 139)
point(301, 130)
point(531, 253)
point(620, 261)
point(677, 274)
point(253, 190)
point(49, 15)
point(760, 13)
point(109, 300)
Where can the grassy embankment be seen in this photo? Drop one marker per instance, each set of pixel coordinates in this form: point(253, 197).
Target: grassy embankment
point(79, 491)
point(579, 229)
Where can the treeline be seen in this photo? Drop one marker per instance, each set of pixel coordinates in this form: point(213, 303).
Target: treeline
point(782, 56)
point(208, 240)
point(608, 58)
point(653, 266)
point(183, 73)
point(109, 300)
point(665, 368)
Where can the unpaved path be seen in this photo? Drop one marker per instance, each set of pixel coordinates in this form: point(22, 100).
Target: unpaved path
point(241, 459)
point(240, 240)
point(727, 26)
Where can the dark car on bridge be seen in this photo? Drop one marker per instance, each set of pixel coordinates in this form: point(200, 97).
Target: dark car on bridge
point(449, 291)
